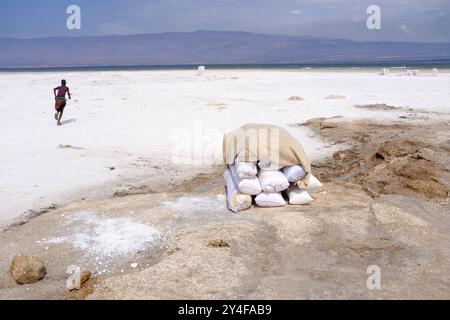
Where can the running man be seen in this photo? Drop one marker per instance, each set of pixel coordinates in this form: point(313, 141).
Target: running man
point(60, 100)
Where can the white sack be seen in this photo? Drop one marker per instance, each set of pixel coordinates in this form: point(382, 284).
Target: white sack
point(298, 196)
point(246, 170)
point(273, 181)
point(236, 201)
point(294, 173)
point(270, 199)
point(248, 186)
point(314, 183)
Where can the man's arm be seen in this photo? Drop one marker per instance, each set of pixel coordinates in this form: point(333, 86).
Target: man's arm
point(68, 92)
point(54, 91)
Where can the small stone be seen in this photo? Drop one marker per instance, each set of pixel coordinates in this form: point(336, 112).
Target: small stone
point(26, 269)
point(134, 265)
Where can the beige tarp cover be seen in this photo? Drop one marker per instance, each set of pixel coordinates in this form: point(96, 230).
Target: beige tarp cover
point(267, 143)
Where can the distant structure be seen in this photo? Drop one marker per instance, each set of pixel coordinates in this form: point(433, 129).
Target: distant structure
point(201, 70)
point(385, 72)
point(405, 72)
point(410, 73)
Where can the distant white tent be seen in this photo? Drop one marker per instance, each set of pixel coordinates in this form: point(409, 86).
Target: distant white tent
point(201, 70)
point(385, 72)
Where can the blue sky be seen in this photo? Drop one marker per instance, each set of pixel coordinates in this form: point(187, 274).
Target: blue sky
point(402, 20)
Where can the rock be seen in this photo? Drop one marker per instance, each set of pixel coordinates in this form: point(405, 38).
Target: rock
point(26, 269)
point(134, 265)
point(296, 98)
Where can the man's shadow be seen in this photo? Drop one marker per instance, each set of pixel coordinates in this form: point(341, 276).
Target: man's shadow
point(64, 122)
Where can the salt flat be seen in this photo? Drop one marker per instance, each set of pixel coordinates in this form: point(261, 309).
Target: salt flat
point(121, 124)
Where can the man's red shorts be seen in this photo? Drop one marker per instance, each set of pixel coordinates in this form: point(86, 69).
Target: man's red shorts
point(60, 103)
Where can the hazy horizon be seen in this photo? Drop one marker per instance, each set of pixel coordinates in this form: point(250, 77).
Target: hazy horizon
point(209, 48)
point(216, 31)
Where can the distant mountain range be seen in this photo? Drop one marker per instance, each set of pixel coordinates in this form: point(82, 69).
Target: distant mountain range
point(208, 47)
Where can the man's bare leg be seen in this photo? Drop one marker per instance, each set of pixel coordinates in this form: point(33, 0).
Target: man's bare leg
point(60, 114)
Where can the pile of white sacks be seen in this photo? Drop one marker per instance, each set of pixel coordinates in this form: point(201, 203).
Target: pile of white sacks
point(266, 184)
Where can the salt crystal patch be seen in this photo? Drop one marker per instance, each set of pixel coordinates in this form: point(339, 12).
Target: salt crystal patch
point(110, 237)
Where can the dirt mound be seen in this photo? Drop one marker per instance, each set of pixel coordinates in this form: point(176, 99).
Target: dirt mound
point(397, 165)
point(398, 148)
point(387, 159)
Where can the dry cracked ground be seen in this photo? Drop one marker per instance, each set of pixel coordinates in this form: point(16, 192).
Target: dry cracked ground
point(385, 202)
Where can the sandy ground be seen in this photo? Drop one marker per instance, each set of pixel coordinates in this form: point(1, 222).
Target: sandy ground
point(129, 209)
point(319, 251)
